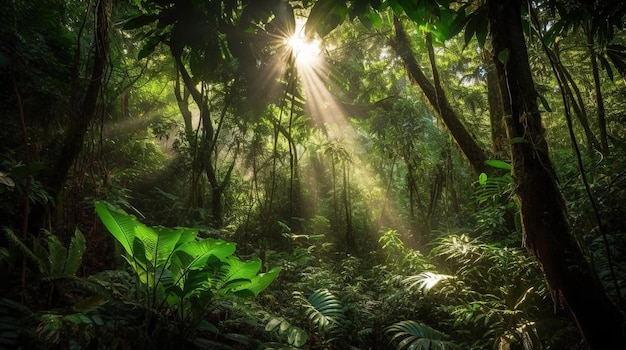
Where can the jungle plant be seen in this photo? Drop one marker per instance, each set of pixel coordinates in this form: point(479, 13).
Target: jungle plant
point(324, 312)
point(56, 260)
point(418, 336)
point(294, 335)
point(179, 276)
point(493, 295)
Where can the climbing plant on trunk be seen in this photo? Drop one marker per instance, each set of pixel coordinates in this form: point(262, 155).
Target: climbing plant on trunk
point(546, 230)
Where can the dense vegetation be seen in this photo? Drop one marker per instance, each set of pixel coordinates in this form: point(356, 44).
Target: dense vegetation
point(327, 174)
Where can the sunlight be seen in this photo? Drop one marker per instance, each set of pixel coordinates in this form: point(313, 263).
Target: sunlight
point(306, 51)
point(328, 113)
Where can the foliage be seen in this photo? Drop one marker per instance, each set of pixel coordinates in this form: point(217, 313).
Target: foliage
point(418, 336)
point(55, 261)
point(175, 271)
point(323, 309)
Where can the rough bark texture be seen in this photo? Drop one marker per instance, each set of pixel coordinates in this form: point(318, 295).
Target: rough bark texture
point(547, 235)
point(474, 154)
point(499, 141)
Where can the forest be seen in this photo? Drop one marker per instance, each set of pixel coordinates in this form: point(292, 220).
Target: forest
point(315, 174)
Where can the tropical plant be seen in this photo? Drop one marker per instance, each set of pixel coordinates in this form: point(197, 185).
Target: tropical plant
point(413, 335)
point(180, 274)
point(294, 335)
point(56, 260)
point(325, 314)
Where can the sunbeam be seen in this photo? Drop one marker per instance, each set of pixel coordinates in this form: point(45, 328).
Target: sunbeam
point(332, 118)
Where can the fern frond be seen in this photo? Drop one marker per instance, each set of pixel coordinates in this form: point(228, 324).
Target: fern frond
point(323, 309)
point(27, 252)
point(425, 281)
point(418, 336)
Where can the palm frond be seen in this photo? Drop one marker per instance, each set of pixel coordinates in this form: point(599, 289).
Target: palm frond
point(413, 335)
point(425, 281)
point(323, 309)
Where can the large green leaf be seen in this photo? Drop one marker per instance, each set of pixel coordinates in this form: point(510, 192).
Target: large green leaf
point(235, 269)
point(120, 225)
point(263, 280)
point(195, 254)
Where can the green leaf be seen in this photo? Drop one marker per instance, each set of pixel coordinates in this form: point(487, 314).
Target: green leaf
point(75, 253)
point(418, 336)
point(236, 269)
point(119, 224)
point(148, 48)
point(325, 16)
point(195, 255)
point(56, 255)
point(482, 179)
point(477, 24)
point(323, 309)
point(518, 139)
point(494, 163)
point(261, 281)
point(297, 337)
point(503, 56)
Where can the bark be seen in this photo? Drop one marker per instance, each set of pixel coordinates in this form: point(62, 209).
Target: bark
point(81, 120)
point(547, 235)
point(438, 100)
point(499, 142)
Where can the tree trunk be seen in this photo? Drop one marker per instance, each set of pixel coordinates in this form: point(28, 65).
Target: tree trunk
point(81, 119)
point(499, 142)
point(438, 100)
point(547, 235)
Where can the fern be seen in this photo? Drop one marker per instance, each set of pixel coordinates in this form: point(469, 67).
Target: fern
point(323, 309)
point(425, 281)
point(413, 335)
point(56, 260)
point(27, 252)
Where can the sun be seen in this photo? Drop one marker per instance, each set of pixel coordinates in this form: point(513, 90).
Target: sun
point(306, 51)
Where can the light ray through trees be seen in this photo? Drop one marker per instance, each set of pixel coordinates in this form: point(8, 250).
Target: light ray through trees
point(312, 73)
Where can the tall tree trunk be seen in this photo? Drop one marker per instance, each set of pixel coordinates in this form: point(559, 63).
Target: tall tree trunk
point(438, 100)
point(499, 142)
point(547, 235)
point(81, 119)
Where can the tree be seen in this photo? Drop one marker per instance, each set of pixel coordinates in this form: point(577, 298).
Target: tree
point(433, 91)
point(546, 231)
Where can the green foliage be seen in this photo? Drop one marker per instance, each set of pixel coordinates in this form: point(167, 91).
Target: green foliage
point(55, 261)
point(177, 272)
point(323, 309)
point(413, 335)
point(491, 294)
point(171, 262)
point(294, 335)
